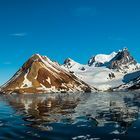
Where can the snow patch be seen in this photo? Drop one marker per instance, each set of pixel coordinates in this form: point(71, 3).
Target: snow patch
point(48, 80)
point(26, 82)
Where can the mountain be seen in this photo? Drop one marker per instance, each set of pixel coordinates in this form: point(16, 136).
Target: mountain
point(104, 71)
point(100, 77)
point(41, 75)
point(72, 65)
point(100, 59)
point(123, 62)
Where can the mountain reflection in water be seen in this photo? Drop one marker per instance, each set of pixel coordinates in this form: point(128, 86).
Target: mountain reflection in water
point(74, 116)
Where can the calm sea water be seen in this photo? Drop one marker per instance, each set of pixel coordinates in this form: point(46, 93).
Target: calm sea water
point(88, 116)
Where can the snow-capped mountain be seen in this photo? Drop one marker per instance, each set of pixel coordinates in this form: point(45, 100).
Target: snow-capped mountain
point(100, 59)
point(100, 77)
point(41, 75)
point(104, 71)
point(72, 65)
point(123, 62)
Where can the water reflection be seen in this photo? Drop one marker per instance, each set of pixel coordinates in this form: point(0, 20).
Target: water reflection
point(117, 111)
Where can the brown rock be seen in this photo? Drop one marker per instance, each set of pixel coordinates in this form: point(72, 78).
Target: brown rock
point(41, 75)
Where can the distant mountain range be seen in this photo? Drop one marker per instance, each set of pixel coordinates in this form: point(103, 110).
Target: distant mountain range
point(116, 71)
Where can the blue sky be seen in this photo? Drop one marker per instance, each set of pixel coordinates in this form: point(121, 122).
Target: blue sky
point(65, 28)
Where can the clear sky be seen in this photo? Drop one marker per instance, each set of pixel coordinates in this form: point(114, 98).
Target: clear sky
point(65, 28)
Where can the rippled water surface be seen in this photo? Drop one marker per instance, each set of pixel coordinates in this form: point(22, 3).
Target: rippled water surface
point(88, 116)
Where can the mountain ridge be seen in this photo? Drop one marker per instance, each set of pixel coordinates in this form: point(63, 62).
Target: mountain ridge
point(41, 75)
point(105, 72)
point(102, 72)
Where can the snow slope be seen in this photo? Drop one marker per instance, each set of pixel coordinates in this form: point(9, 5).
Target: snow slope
point(72, 65)
point(98, 77)
point(105, 72)
point(101, 58)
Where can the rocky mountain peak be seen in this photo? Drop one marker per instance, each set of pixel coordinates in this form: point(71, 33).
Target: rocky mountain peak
point(31, 60)
point(123, 61)
point(69, 63)
point(124, 55)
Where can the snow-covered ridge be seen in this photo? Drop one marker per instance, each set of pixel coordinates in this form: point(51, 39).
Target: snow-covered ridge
point(101, 58)
point(105, 72)
point(102, 72)
point(72, 65)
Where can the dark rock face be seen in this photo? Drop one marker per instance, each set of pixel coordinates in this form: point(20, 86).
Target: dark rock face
point(82, 68)
point(111, 75)
point(92, 61)
point(68, 63)
point(135, 84)
point(134, 87)
point(122, 61)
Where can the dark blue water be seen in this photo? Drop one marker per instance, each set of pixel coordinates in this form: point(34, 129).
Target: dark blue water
point(88, 116)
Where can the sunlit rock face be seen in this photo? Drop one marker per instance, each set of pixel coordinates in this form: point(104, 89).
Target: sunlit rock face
point(41, 75)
